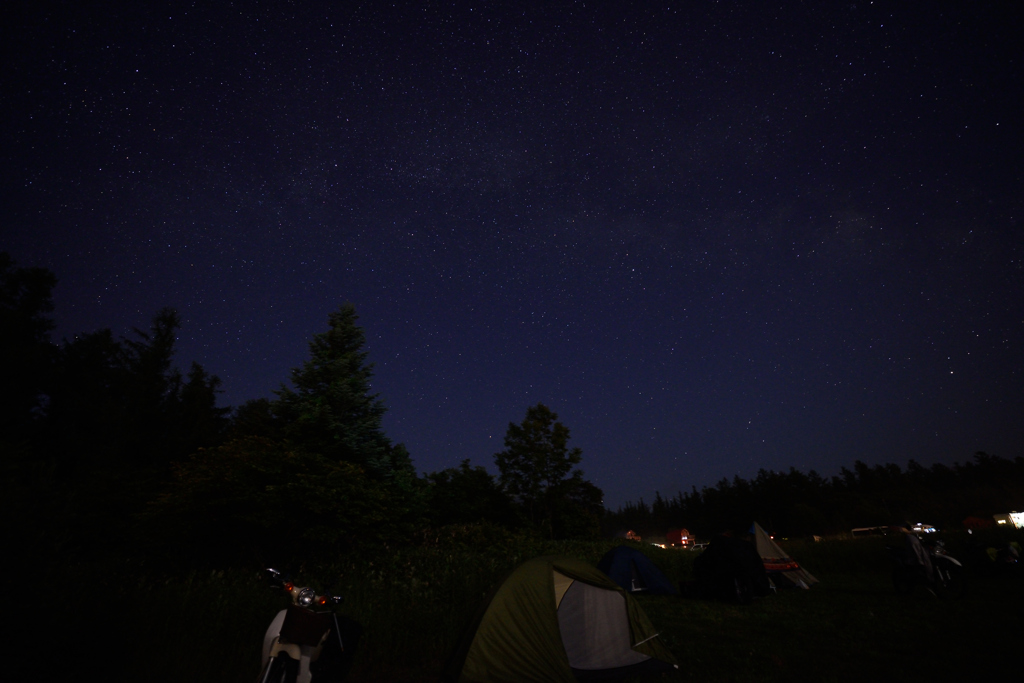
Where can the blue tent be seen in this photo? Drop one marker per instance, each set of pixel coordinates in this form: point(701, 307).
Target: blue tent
point(634, 572)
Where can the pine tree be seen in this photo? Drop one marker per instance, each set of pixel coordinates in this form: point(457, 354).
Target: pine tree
point(330, 410)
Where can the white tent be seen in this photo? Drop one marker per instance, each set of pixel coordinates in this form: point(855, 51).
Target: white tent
point(777, 563)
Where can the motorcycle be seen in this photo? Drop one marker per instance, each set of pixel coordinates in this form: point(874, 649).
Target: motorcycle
point(307, 641)
point(928, 565)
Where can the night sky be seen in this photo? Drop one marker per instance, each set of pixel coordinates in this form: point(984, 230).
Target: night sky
point(713, 237)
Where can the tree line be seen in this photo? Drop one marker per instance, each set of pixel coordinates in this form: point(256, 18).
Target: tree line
point(107, 446)
point(798, 504)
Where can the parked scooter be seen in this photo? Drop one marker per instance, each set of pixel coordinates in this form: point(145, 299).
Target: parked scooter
point(308, 641)
point(926, 564)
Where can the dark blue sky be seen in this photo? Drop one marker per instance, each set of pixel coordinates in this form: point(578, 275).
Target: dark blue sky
point(713, 237)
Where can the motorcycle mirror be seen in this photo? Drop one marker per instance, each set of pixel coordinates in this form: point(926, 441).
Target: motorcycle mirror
point(329, 597)
point(276, 580)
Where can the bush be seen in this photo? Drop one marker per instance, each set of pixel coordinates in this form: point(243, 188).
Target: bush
point(255, 499)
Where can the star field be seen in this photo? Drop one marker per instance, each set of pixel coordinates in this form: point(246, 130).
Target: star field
point(712, 237)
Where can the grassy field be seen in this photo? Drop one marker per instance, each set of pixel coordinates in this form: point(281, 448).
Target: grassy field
point(848, 628)
point(414, 603)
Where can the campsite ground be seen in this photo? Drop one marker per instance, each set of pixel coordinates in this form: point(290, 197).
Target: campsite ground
point(414, 603)
point(848, 628)
point(852, 626)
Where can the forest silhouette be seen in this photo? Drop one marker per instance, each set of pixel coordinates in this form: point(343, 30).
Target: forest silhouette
point(107, 446)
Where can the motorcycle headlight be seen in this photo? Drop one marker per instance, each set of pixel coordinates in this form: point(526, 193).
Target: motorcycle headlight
point(306, 597)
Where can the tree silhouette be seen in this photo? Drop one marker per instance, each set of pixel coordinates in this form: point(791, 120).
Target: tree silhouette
point(255, 499)
point(26, 354)
point(466, 495)
point(536, 470)
point(314, 465)
point(331, 411)
point(120, 408)
point(796, 504)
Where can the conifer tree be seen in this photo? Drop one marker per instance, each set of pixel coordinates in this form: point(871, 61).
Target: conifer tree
point(331, 411)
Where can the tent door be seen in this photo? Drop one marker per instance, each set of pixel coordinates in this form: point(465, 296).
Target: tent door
point(595, 628)
point(637, 582)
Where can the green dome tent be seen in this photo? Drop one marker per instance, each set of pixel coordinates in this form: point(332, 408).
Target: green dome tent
point(557, 619)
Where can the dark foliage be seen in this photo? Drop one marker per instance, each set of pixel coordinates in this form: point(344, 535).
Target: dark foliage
point(310, 468)
point(89, 429)
point(263, 501)
point(537, 473)
point(331, 411)
point(796, 504)
point(26, 354)
point(467, 495)
point(120, 409)
point(255, 418)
